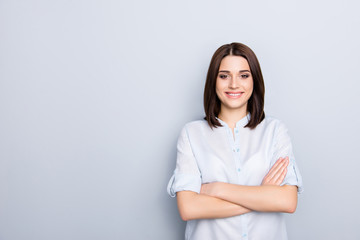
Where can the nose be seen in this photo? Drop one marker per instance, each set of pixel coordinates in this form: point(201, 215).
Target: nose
point(233, 83)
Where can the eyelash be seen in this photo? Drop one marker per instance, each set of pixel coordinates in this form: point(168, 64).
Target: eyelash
point(224, 76)
point(245, 75)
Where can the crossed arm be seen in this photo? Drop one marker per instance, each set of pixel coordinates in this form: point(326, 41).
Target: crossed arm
point(220, 200)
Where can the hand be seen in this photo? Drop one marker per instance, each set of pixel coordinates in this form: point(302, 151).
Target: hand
point(210, 189)
point(277, 173)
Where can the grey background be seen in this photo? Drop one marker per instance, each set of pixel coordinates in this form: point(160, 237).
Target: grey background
point(93, 95)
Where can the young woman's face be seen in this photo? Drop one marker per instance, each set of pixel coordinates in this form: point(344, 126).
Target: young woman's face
point(234, 83)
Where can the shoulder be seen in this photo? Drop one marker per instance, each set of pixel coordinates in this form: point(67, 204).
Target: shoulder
point(274, 124)
point(272, 121)
point(196, 124)
point(195, 128)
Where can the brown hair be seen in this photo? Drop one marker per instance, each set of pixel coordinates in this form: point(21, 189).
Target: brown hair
point(255, 104)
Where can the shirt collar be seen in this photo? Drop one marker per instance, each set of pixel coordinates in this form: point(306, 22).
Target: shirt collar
point(241, 123)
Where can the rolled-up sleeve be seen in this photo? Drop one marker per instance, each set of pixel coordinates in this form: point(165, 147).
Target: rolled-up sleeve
point(186, 176)
point(283, 148)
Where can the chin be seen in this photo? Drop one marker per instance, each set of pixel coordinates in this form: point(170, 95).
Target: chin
point(235, 106)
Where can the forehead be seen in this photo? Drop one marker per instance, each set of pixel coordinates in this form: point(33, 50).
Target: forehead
point(234, 63)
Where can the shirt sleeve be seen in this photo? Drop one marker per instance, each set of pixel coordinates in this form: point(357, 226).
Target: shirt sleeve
point(283, 148)
point(186, 176)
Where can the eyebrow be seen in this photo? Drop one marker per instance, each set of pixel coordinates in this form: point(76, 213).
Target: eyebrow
point(241, 71)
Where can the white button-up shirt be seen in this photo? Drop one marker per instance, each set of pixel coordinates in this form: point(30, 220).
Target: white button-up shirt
point(207, 155)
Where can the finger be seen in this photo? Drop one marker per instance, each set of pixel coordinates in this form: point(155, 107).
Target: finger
point(282, 177)
point(269, 177)
point(272, 169)
point(279, 177)
point(276, 168)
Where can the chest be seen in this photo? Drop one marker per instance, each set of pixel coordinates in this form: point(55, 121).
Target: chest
point(242, 157)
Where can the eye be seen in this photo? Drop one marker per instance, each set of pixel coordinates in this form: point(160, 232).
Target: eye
point(224, 76)
point(244, 76)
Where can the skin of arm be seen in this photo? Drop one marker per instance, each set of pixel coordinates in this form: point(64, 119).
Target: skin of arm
point(265, 198)
point(192, 205)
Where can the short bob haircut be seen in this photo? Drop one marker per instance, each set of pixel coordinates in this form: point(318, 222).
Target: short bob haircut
point(255, 104)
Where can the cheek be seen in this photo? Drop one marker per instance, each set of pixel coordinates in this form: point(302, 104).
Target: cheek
point(218, 87)
point(250, 85)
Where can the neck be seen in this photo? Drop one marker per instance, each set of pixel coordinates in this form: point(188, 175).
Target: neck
point(231, 117)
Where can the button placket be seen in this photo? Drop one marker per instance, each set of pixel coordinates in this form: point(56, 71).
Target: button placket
point(244, 224)
point(233, 137)
point(237, 150)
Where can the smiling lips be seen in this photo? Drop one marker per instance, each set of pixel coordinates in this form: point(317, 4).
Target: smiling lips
point(233, 94)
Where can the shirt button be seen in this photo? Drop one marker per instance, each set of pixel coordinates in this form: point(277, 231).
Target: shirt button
point(244, 235)
point(239, 169)
point(237, 150)
point(236, 131)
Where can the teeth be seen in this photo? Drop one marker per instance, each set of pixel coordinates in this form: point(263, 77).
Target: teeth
point(234, 94)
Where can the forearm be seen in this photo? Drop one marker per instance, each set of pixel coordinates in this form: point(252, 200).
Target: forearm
point(268, 198)
point(198, 206)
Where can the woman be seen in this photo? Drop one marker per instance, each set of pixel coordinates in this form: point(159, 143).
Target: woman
point(235, 173)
